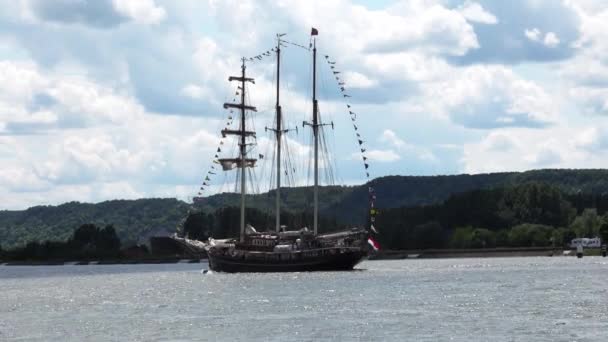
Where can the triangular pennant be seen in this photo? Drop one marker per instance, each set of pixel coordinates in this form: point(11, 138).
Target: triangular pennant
point(355, 127)
point(261, 156)
point(215, 156)
point(366, 165)
point(358, 135)
point(336, 72)
point(346, 95)
point(364, 158)
point(348, 105)
point(363, 150)
point(207, 178)
point(219, 150)
point(367, 173)
point(326, 56)
point(360, 141)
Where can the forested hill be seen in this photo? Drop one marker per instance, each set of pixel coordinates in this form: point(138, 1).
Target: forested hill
point(132, 219)
point(136, 219)
point(407, 191)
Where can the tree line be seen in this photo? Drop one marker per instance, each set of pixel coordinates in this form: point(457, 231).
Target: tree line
point(87, 242)
point(527, 215)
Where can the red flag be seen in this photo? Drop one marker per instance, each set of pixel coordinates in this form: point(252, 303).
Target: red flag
point(374, 244)
point(314, 32)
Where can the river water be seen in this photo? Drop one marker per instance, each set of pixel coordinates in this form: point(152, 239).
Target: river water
point(491, 299)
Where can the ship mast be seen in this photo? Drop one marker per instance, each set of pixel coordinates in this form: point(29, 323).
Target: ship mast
point(279, 134)
point(278, 130)
point(242, 162)
point(315, 129)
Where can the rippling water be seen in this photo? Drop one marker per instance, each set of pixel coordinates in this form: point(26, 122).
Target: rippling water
point(510, 299)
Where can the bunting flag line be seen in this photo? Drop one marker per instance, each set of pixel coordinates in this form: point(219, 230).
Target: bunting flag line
point(207, 179)
point(341, 86)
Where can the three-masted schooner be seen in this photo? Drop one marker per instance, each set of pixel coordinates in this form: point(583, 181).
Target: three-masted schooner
point(281, 250)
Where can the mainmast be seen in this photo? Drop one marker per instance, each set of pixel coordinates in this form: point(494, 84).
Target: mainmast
point(242, 162)
point(279, 134)
point(315, 129)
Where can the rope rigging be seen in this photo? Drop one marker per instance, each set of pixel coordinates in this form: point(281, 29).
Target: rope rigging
point(288, 164)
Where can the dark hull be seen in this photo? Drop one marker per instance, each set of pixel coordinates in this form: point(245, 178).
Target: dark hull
point(340, 260)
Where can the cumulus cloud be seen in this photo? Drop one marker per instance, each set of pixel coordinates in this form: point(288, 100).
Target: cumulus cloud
point(489, 97)
point(142, 11)
point(529, 33)
point(32, 99)
point(551, 40)
point(124, 98)
point(533, 34)
point(473, 11)
point(382, 156)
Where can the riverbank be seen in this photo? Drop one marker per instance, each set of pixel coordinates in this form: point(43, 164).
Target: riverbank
point(481, 253)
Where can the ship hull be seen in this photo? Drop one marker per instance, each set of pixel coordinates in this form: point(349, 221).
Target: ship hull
point(337, 260)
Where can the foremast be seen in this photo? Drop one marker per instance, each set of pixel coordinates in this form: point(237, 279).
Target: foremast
point(242, 162)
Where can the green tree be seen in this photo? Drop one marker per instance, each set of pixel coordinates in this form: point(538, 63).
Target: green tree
point(587, 224)
point(530, 235)
point(604, 232)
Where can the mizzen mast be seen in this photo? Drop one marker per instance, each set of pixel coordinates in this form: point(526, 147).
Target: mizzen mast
point(242, 162)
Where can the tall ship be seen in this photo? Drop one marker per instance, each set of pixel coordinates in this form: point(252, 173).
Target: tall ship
point(280, 249)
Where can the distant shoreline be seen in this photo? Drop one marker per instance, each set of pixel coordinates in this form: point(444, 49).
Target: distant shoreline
point(481, 253)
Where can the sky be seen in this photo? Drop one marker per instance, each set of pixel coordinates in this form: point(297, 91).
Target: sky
point(112, 99)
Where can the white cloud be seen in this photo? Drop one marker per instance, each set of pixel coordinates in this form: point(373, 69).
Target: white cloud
point(382, 156)
point(551, 40)
point(389, 137)
point(392, 138)
point(519, 149)
point(80, 116)
point(142, 11)
point(533, 34)
point(489, 97)
point(196, 92)
point(357, 80)
point(473, 11)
